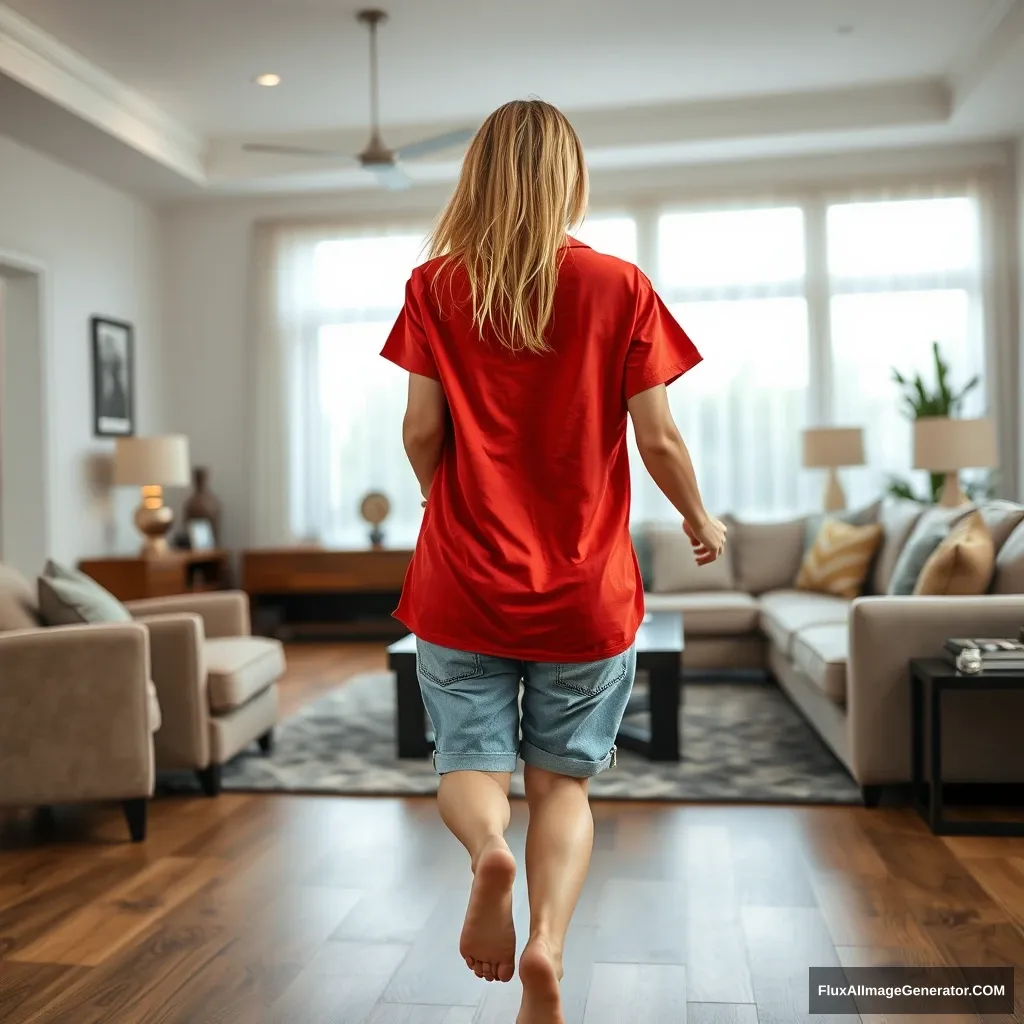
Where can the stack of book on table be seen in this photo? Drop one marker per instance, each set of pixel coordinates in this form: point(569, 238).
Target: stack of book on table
point(997, 655)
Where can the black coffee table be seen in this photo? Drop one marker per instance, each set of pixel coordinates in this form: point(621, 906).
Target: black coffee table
point(659, 653)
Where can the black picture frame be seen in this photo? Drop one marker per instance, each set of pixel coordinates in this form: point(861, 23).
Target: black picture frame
point(113, 377)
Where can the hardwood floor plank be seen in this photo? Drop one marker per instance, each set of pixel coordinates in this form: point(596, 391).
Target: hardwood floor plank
point(121, 914)
point(769, 865)
point(782, 943)
point(341, 984)
point(641, 922)
point(26, 989)
point(389, 915)
point(717, 970)
point(1003, 880)
point(637, 994)
point(721, 1013)
point(833, 840)
point(396, 1013)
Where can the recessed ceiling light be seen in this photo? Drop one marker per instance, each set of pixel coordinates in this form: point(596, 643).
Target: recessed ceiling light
point(268, 81)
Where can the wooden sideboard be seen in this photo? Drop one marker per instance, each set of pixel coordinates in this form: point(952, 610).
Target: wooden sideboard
point(132, 577)
point(310, 591)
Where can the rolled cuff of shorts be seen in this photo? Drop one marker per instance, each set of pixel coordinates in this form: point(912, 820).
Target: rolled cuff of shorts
point(559, 765)
point(444, 763)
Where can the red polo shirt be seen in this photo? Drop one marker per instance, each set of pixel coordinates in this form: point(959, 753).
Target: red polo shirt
point(525, 550)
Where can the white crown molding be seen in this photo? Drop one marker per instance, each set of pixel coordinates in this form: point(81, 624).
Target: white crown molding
point(997, 37)
point(59, 74)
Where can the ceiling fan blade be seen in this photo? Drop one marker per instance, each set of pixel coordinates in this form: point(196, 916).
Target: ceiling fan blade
point(435, 144)
point(265, 147)
point(391, 176)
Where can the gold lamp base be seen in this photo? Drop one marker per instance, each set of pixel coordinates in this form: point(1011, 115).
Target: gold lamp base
point(834, 498)
point(952, 494)
point(153, 520)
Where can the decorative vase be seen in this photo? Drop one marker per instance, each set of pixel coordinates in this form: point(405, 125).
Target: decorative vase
point(202, 503)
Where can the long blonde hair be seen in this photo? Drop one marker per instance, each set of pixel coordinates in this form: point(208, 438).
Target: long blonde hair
point(523, 185)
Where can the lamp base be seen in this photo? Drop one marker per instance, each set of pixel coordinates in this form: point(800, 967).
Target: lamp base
point(952, 495)
point(835, 498)
point(153, 520)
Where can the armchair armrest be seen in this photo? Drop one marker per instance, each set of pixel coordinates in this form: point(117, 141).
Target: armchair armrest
point(179, 675)
point(224, 613)
point(885, 633)
point(74, 715)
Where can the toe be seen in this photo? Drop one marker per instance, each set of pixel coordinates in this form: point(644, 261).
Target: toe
point(478, 969)
point(505, 972)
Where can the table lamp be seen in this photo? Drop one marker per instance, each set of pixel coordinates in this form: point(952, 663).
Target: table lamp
point(829, 448)
point(152, 463)
point(943, 445)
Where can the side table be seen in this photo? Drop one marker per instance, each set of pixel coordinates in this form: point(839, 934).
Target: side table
point(133, 577)
point(930, 678)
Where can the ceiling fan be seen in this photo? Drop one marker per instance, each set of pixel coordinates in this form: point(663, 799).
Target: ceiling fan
point(377, 157)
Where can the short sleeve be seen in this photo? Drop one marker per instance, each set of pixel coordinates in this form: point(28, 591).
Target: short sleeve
point(660, 351)
point(407, 345)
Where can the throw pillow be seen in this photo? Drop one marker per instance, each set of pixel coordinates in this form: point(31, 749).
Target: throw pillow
point(1002, 518)
point(68, 598)
point(839, 559)
point(963, 564)
point(675, 567)
point(766, 556)
point(930, 531)
point(854, 516)
point(898, 518)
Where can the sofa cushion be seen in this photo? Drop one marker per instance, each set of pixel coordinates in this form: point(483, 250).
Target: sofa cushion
point(18, 607)
point(640, 534)
point(854, 516)
point(931, 529)
point(240, 667)
point(675, 567)
point(1009, 574)
point(766, 556)
point(784, 613)
point(68, 598)
point(1001, 518)
point(963, 564)
point(710, 613)
point(898, 517)
point(839, 559)
point(820, 652)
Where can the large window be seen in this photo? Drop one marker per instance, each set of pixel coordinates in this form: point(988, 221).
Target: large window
point(801, 310)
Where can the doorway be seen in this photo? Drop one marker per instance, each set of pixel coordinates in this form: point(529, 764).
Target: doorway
point(24, 511)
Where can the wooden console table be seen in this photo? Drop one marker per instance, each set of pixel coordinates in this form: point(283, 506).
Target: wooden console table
point(327, 592)
point(132, 577)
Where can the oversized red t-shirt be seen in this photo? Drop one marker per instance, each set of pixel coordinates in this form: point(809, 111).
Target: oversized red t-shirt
point(525, 551)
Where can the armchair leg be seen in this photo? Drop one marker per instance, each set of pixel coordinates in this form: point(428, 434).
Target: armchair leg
point(266, 742)
point(209, 779)
point(871, 795)
point(135, 815)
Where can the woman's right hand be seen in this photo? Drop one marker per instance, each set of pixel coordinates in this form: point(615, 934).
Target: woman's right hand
point(707, 538)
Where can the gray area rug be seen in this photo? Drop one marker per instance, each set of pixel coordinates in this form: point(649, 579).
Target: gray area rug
point(742, 742)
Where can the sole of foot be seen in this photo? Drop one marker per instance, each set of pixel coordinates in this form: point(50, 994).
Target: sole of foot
point(488, 942)
point(539, 971)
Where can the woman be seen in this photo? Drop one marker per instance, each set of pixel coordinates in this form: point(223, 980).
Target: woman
point(526, 351)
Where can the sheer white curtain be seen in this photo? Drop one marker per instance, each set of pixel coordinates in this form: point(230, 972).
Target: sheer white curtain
point(329, 410)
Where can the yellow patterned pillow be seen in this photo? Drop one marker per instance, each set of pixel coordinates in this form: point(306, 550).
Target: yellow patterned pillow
point(840, 558)
point(963, 563)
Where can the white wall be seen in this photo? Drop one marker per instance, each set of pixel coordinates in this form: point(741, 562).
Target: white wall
point(208, 253)
point(100, 250)
point(1019, 311)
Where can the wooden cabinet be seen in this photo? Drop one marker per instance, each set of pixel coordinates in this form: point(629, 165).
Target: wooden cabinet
point(131, 578)
point(322, 591)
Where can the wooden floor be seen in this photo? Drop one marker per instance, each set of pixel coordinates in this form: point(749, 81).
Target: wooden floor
point(307, 910)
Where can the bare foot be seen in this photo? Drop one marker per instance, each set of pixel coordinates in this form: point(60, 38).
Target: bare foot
point(488, 943)
point(540, 971)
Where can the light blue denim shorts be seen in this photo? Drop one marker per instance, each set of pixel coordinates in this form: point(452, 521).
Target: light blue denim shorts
point(570, 714)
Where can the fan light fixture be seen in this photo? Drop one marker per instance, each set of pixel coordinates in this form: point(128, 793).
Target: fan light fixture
point(268, 80)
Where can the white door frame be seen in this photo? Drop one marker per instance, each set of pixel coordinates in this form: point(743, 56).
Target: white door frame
point(25, 524)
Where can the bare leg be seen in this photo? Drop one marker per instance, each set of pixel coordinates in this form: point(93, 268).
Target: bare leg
point(474, 806)
point(558, 844)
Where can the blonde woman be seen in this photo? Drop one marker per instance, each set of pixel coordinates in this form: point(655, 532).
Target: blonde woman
point(526, 351)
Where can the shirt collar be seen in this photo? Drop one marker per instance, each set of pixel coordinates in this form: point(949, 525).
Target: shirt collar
point(574, 243)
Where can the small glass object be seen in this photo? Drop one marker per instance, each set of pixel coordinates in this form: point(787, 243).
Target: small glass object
point(968, 661)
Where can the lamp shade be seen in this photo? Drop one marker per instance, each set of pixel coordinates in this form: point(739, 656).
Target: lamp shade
point(945, 445)
point(829, 447)
point(152, 461)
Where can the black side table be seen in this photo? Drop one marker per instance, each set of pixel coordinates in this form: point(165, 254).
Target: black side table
point(929, 679)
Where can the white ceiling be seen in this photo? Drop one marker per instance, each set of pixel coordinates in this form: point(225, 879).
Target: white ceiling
point(647, 81)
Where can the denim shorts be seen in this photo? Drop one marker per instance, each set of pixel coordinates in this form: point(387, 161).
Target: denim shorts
point(565, 722)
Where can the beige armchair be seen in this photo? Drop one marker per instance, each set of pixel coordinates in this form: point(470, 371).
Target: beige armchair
point(216, 683)
point(77, 711)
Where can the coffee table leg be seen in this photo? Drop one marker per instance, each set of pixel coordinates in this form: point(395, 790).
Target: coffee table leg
point(666, 686)
point(412, 717)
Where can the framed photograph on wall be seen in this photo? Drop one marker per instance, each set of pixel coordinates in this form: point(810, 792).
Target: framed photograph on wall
point(113, 378)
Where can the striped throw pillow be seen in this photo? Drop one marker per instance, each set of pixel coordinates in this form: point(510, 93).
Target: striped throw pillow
point(840, 558)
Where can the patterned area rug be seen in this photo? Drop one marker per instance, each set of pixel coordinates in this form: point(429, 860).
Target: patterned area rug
point(742, 742)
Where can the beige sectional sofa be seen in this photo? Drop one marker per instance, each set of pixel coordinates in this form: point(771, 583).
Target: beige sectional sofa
point(844, 663)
